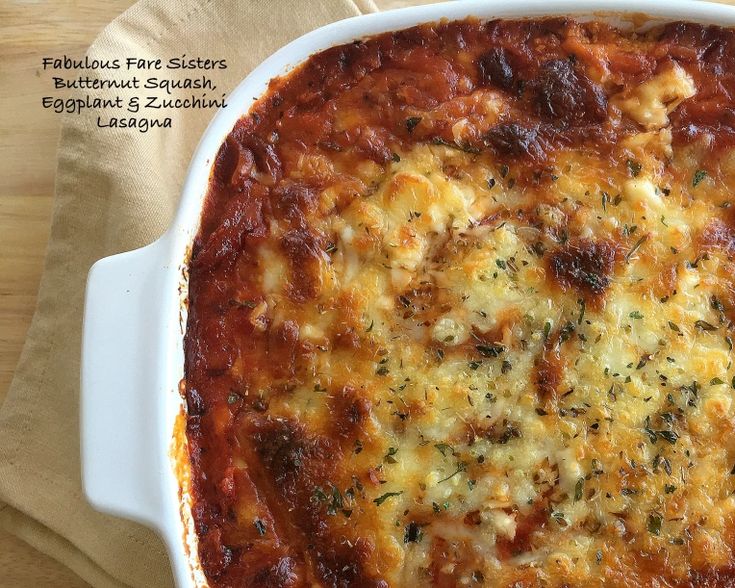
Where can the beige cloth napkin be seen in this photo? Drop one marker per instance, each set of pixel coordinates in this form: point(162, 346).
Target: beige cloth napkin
point(116, 189)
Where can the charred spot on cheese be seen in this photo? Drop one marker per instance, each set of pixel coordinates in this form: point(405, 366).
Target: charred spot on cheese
point(305, 253)
point(349, 411)
point(566, 95)
point(292, 459)
point(498, 67)
point(584, 265)
point(294, 200)
point(511, 139)
point(346, 337)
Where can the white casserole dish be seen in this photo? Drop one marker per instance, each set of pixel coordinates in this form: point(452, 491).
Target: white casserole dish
point(134, 320)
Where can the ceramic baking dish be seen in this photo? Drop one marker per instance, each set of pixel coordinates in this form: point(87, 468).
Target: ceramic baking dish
point(134, 459)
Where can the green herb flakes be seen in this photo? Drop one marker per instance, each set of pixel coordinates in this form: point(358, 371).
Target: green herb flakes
point(578, 490)
point(444, 449)
point(490, 350)
point(412, 122)
point(654, 524)
point(382, 498)
point(260, 527)
point(635, 248)
point(704, 325)
point(634, 168)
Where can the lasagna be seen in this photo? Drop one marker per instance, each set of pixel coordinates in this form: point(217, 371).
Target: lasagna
point(461, 313)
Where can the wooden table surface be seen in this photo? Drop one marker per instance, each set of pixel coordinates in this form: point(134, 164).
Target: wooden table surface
point(28, 138)
point(30, 30)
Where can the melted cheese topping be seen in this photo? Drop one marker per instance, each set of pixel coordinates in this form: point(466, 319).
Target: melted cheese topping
point(631, 445)
point(500, 378)
point(651, 103)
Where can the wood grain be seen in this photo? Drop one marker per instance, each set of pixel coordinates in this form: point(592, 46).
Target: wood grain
point(28, 137)
point(22, 566)
point(28, 32)
point(29, 134)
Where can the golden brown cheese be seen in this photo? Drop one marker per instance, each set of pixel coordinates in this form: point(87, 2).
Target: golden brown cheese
point(461, 314)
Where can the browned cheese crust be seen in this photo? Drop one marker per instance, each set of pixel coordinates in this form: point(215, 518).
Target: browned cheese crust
point(461, 314)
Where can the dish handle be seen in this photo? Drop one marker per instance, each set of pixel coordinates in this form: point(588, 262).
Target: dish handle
point(121, 386)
